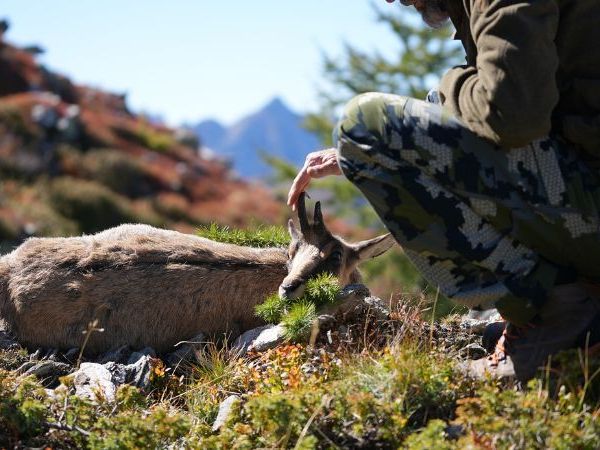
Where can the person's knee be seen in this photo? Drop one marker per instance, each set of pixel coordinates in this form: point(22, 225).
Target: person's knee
point(365, 119)
point(363, 116)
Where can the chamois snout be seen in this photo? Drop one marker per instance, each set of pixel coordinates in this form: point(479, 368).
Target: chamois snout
point(292, 289)
point(314, 250)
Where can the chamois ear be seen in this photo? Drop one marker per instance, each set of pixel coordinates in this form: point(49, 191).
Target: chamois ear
point(294, 233)
point(373, 247)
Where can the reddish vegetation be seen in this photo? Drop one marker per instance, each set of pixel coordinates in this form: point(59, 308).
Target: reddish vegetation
point(177, 188)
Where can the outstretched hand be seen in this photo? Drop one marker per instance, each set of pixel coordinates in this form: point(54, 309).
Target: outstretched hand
point(317, 165)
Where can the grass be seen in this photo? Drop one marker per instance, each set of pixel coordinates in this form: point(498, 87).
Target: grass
point(255, 236)
point(403, 394)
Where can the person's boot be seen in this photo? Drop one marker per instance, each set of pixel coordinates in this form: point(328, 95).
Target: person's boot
point(571, 311)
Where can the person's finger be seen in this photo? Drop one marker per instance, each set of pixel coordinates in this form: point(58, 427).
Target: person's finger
point(302, 179)
point(322, 170)
point(300, 183)
point(327, 167)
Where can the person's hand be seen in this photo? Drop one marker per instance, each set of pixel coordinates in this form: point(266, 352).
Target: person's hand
point(317, 165)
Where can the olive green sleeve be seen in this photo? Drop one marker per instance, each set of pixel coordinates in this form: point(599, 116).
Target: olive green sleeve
point(508, 97)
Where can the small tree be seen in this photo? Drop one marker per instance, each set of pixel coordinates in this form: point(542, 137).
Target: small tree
point(424, 54)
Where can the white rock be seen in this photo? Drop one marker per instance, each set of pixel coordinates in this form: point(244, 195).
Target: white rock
point(259, 339)
point(224, 411)
point(94, 381)
point(268, 339)
point(477, 321)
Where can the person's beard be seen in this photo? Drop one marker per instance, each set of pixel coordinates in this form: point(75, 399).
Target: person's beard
point(435, 13)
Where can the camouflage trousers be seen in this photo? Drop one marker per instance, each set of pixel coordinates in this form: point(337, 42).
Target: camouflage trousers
point(491, 227)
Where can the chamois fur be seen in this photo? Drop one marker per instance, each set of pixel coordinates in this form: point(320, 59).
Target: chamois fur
point(145, 286)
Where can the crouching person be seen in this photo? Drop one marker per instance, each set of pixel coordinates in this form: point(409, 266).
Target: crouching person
point(494, 194)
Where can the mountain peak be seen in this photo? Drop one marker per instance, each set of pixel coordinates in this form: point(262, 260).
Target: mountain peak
point(276, 106)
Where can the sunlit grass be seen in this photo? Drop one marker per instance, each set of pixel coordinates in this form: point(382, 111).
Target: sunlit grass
point(257, 236)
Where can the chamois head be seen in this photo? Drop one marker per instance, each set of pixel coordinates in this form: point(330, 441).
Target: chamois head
point(314, 250)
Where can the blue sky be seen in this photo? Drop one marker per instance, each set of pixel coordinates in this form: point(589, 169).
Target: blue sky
point(192, 59)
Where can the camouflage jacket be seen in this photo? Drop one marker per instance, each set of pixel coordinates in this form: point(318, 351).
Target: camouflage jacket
point(532, 67)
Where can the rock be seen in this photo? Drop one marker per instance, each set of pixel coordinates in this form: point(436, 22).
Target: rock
point(7, 342)
point(25, 367)
point(118, 372)
point(326, 321)
point(37, 355)
point(72, 355)
point(138, 373)
point(225, 411)
point(136, 356)
point(119, 355)
point(472, 351)
point(454, 431)
point(354, 291)
point(186, 352)
point(94, 381)
point(476, 321)
point(259, 339)
point(48, 368)
point(355, 300)
point(52, 354)
point(489, 315)
point(474, 326)
point(377, 308)
point(268, 339)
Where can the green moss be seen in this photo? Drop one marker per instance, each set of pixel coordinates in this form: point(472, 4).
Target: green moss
point(257, 236)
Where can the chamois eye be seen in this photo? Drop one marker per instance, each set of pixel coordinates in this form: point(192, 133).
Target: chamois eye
point(336, 255)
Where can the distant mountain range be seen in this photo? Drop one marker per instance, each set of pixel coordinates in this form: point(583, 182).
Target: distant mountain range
point(275, 129)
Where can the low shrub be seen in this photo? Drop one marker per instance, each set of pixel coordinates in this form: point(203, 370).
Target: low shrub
point(272, 309)
point(22, 409)
point(506, 419)
point(92, 206)
point(118, 171)
point(373, 401)
point(149, 137)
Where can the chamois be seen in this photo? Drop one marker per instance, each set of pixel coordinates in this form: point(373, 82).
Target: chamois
point(149, 287)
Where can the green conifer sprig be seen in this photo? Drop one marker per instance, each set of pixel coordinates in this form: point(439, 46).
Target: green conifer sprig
point(298, 316)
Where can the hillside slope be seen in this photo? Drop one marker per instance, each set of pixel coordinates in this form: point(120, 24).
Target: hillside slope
point(74, 159)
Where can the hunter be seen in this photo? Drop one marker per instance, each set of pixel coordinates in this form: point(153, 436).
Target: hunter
point(494, 192)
